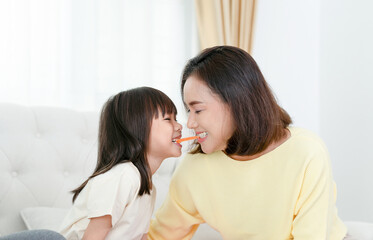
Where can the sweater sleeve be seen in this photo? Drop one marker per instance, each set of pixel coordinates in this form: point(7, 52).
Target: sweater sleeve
point(314, 211)
point(178, 217)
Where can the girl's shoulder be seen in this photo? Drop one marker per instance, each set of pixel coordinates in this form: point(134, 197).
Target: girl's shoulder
point(120, 184)
point(126, 172)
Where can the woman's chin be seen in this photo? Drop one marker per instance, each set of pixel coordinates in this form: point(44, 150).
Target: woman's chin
point(207, 150)
point(211, 149)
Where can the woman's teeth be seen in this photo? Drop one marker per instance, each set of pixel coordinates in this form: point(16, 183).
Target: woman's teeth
point(202, 135)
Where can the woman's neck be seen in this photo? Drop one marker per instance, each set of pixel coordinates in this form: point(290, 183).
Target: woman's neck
point(270, 148)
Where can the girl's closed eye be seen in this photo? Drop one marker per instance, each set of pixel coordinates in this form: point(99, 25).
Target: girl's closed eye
point(168, 118)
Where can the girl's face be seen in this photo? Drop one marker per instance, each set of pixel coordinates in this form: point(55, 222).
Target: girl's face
point(207, 113)
point(163, 130)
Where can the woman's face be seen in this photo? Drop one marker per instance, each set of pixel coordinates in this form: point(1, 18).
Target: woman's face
point(207, 113)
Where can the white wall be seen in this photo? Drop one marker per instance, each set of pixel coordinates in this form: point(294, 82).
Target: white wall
point(286, 47)
point(318, 58)
point(346, 81)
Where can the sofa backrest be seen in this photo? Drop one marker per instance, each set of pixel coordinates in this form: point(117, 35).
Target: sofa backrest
point(45, 152)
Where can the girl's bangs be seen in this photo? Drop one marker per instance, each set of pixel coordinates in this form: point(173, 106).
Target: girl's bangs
point(164, 104)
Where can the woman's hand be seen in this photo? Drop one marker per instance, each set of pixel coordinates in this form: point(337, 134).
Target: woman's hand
point(98, 228)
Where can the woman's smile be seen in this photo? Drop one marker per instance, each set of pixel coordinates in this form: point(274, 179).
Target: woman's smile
point(202, 136)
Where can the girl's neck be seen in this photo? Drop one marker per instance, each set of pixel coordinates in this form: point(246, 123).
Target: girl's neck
point(154, 163)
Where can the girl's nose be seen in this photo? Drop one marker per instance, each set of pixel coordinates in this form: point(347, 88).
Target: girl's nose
point(178, 127)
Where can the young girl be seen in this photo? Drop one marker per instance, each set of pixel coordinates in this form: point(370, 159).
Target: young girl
point(137, 131)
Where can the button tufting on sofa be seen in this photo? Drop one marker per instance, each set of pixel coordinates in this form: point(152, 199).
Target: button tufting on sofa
point(42, 158)
point(45, 153)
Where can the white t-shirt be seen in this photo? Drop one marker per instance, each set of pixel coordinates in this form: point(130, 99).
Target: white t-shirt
point(113, 193)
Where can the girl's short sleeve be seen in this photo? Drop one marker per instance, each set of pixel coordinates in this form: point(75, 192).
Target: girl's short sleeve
point(110, 194)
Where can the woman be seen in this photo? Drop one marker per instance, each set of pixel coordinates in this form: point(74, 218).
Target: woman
point(252, 176)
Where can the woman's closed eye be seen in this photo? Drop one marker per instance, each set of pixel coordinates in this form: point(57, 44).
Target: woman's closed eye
point(195, 111)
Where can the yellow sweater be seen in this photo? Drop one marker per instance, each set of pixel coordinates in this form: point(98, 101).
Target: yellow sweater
point(288, 193)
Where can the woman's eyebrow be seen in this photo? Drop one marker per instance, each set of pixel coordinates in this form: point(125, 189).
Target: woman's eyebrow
point(194, 103)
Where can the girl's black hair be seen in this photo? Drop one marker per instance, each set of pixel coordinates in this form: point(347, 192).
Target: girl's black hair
point(124, 130)
point(234, 76)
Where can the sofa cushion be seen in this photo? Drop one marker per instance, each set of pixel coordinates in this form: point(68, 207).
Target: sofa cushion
point(43, 217)
point(360, 230)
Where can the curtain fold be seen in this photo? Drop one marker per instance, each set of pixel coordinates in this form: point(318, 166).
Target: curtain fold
point(77, 53)
point(225, 22)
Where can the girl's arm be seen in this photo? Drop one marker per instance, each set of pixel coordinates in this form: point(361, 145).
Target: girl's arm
point(98, 228)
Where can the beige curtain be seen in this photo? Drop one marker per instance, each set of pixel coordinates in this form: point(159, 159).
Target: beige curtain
point(225, 22)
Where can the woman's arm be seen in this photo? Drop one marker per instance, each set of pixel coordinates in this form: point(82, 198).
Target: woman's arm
point(98, 228)
point(178, 217)
point(315, 213)
point(172, 221)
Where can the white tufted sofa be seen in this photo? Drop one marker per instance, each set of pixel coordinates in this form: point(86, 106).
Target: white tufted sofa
point(46, 152)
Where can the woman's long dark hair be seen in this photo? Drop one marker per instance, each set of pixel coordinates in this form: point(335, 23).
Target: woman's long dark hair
point(124, 130)
point(234, 76)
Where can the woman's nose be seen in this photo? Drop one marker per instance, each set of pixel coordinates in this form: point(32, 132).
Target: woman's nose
point(191, 122)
